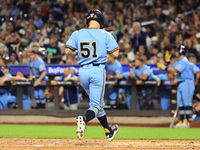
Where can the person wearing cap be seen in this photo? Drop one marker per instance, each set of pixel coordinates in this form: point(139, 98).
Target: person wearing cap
point(4, 91)
point(70, 93)
point(37, 69)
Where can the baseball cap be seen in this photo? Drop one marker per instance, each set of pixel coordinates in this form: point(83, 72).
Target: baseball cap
point(5, 66)
point(13, 35)
point(160, 55)
point(154, 38)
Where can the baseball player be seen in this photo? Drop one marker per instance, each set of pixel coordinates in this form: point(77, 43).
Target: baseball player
point(37, 69)
point(185, 91)
point(92, 45)
point(114, 68)
point(4, 91)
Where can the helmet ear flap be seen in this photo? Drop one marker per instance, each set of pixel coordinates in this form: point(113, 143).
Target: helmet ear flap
point(95, 15)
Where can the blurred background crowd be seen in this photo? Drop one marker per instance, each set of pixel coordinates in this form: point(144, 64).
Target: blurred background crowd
point(145, 27)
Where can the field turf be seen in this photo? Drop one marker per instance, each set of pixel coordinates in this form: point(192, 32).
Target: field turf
point(97, 132)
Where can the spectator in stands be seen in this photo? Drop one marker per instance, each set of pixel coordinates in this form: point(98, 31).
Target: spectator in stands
point(37, 70)
point(70, 93)
point(24, 58)
point(138, 36)
point(13, 42)
point(53, 51)
point(38, 22)
point(3, 50)
point(13, 60)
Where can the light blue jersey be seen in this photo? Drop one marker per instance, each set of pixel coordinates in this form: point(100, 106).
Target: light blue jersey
point(37, 67)
point(92, 45)
point(194, 69)
point(144, 71)
point(184, 68)
point(186, 82)
point(114, 69)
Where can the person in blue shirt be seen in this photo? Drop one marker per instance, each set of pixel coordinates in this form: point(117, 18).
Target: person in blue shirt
point(70, 92)
point(185, 79)
point(4, 91)
point(92, 45)
point(12, 98)
point(38, 70)
point(114, 68)
point(165, 91)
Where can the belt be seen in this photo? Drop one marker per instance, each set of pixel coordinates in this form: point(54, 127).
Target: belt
point(93, 64)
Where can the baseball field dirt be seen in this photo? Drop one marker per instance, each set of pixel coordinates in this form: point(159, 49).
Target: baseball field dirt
point(69, 144)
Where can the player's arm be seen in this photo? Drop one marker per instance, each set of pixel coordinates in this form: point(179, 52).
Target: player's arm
point(143, 77)
point(31, 75)
point(57, 78)
point(17, 78)
point(115, 53)
point(197, 78)
point(43, 74)
point(164, 67)
point(70, 51)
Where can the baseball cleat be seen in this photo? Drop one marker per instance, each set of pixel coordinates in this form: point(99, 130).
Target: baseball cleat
point(80, 127)
point(178, 125)
point(110, 136)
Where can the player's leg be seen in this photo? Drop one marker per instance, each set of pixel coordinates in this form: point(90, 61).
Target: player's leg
point(42, 97)
point(165, 103)
point(110, 131)
point(81, 120)
point(26, 103)
point(188, 89)
point(181, 108)
point(37, 98)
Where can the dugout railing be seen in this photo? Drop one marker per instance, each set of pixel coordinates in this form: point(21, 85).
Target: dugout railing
point(132, 84)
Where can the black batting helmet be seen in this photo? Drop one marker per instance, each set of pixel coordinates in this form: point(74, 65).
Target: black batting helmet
point(96, 15)
point(181, 50)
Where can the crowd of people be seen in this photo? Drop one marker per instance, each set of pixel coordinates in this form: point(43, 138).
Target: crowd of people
point(148, 27)
point(146, 30)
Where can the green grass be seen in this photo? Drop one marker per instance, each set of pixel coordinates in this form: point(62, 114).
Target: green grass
point(97, 132)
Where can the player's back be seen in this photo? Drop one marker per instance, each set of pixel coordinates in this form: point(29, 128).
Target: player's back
point(93, 45)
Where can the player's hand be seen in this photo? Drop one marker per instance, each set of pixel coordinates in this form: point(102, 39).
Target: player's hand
point(36, 83)
point(158, 81)
point(109, 76)
point(132, 75)
point(120, 76)
point(161, 66)
point(175, 81)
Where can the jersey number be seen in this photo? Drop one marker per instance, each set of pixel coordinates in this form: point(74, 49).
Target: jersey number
point(86, 52)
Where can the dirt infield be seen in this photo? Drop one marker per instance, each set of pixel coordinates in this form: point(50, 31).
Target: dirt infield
point(69, 144)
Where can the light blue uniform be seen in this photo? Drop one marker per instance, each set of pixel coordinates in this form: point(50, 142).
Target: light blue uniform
point(114, 70)
point(186, 82)
point(4, 93)
point(141, 91)
point(37, 67)
point(165, 92)
point(93, 46)
point(194, 69)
